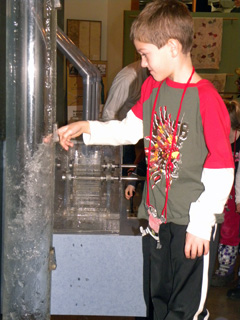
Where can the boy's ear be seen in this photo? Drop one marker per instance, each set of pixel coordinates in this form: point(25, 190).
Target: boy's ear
point(175, 47)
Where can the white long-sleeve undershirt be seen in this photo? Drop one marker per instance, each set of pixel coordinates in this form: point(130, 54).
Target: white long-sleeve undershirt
point(217, 182)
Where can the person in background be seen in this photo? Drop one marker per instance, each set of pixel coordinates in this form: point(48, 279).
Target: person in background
point(229, 234)
point(124, 92)
point(186, 127)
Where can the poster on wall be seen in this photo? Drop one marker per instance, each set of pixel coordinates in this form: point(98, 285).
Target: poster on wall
point(86, 35)
point(207, 44)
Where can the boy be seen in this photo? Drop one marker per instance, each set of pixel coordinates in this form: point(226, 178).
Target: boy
point(186, 127)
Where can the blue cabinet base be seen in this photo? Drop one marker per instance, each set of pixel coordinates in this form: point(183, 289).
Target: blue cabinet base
point(98, 275)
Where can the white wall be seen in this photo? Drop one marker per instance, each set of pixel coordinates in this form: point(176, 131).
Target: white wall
point(110, 12)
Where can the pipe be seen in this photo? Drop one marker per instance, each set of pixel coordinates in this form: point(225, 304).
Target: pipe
point(103, 178)
point(29, 164)
point(3, 110)
point(90, 74)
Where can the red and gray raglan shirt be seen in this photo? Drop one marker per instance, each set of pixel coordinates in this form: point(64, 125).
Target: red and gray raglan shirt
point(202, 165)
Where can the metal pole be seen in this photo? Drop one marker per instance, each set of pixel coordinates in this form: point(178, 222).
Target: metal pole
point(29, 175)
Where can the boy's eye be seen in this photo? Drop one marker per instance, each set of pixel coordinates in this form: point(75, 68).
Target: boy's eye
point(138, 56)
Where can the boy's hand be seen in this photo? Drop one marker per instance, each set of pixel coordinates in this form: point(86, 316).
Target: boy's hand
point(129, 191)
point(72, 131)
point(195, 247)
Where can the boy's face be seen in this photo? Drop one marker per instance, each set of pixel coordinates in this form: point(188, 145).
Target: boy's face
point(156, 60)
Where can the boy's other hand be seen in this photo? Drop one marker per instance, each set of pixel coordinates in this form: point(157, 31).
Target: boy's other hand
point(72, 131)
point(195, 247)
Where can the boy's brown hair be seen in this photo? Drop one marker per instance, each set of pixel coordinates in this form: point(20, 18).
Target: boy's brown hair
point(162, 20)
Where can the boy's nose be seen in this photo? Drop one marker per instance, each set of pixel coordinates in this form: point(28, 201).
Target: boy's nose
point(143, 63)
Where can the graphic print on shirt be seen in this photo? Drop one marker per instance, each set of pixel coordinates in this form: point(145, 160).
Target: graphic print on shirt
point(162, 144)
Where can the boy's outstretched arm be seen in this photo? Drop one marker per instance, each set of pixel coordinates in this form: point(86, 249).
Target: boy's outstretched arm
point(72, 131)
point(114, 132)
point(195, 246)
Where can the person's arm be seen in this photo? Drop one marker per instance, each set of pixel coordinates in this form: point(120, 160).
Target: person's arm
point(114, 132)
point(217, 184)
point(127, 131)
point(217, 175)
point(71, 131)
point(130, 189)
point(140, 170)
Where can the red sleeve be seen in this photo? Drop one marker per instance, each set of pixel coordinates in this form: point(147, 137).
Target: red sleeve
point(216, 126)
point(146, 90)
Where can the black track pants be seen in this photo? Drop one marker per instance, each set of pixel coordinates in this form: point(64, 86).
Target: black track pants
point(178, 286)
